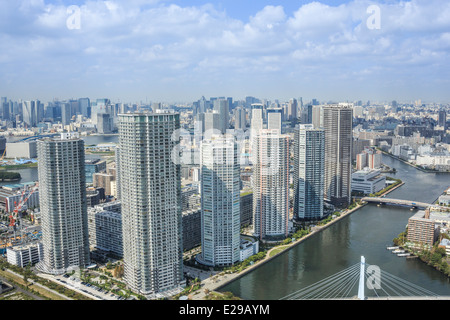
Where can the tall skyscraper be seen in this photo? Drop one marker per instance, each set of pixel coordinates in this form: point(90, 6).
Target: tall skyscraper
point(104, 123)
point(274, 118)
point(39, 109)
point(270, 185)
point(66, 113)
point(292, 110)
point(309, 170)
point(306, 114)
point(317, 116)
point(222, 108)
point(257, 120)
point(85, 107)
point(240, 122)
point(29, 113)
point(150, 193)
point(4, 110)
point(220, 201)
point(62, 198)
point(203, 105)
point(212, 123)
point(337, 121)
point(442, 118)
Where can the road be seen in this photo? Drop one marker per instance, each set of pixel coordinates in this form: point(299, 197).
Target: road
point(19, 289)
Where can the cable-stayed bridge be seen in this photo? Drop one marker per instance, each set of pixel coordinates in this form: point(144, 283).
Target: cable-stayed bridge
point(361, 276)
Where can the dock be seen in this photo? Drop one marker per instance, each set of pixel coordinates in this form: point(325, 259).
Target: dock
point(392, 248)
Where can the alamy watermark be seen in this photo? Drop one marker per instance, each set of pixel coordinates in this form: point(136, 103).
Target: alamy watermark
point(374, 277)
point(374, 20)
point(73, 21)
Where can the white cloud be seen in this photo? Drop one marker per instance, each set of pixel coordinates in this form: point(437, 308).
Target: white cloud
point(120, 38)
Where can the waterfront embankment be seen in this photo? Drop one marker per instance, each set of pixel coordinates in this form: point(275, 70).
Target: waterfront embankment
point(215, 282)
point(412, 165)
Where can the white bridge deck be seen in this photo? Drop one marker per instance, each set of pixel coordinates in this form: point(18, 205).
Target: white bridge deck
point(409, 203)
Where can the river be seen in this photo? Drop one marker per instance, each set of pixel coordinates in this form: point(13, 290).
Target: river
point(366, 232)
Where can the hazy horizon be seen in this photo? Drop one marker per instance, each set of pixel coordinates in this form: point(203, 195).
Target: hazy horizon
point(178, 51)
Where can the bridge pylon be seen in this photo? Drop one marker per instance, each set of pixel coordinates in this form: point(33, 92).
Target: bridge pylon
point(362, 272)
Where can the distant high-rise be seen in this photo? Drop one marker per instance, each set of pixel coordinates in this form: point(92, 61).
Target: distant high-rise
point(309, 170)
point(150, 193)
point(220, 201)
point(212, 123)
point(337, 121)
point(240, 122)
point(29, 113)
point(4, 110)
point(442, 119)
point(274, 118)
point(62, 198)
point(270, 185)
point(104, 123)
point(306, 114)
point(85, 107)
point(222, 108)
point(203, 105)
point(39, 109)
point(317, 117)
point(292, 110)
point(257, 120)
point(66, 113)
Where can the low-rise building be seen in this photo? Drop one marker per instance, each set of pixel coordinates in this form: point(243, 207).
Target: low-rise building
point(24, 255)
point(248, 248)
point(444, 200)
point(445, 244)
point(26, 150)
point(368, 181)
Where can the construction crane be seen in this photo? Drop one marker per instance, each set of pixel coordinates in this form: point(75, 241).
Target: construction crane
point(17, 207)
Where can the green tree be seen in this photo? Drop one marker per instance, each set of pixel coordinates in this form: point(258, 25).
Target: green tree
point(435, 259)
point(27, 273)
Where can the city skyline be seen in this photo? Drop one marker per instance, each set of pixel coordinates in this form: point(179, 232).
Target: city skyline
point(181, 50)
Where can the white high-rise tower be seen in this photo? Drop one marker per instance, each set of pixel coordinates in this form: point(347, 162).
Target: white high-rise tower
point(270, 185)
point(337, 122)
point(62, 198)
point(220, 176)
point(150, 191)
point(309, 170)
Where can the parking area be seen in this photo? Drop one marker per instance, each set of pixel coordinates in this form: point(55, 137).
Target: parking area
point(87, 288)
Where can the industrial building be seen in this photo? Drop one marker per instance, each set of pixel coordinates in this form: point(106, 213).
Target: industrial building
point(25, 150)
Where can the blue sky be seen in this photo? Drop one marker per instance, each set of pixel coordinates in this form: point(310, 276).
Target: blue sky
point(174, 51)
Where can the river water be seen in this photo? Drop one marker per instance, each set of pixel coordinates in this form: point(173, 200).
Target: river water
point(366, 232)
point(31, 174)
